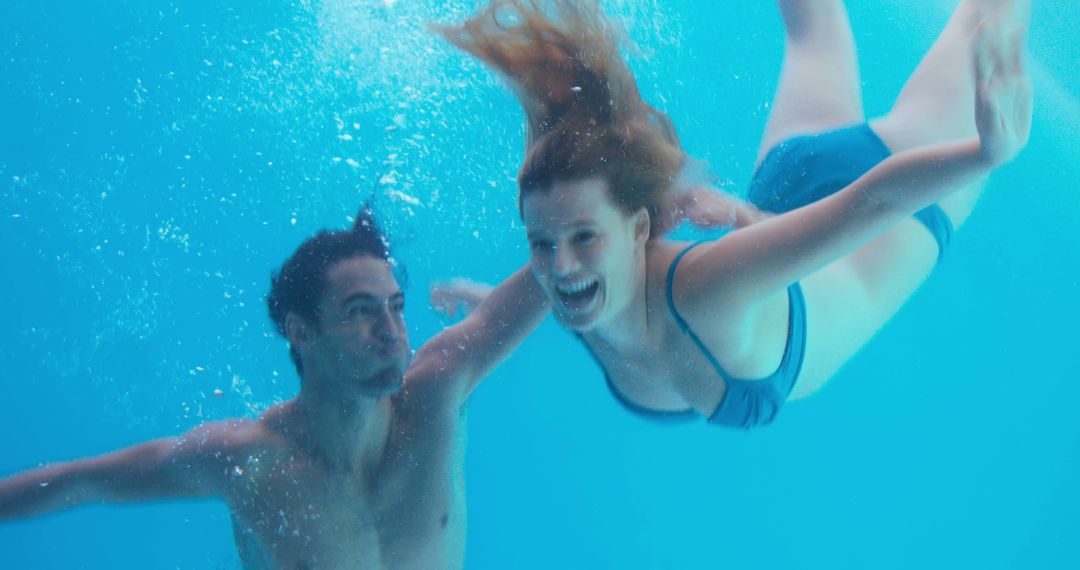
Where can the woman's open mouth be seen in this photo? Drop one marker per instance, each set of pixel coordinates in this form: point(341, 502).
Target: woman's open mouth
point(578, 296)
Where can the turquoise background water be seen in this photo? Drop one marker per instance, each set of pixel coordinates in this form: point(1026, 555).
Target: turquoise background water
point(158, 160)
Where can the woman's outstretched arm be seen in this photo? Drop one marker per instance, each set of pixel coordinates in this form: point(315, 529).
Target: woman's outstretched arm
point(459, 357)
point(750, 265)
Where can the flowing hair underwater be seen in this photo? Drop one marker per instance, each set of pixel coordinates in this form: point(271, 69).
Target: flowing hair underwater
point(585, 115)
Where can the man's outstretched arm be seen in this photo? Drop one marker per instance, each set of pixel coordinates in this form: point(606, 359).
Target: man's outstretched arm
point(191, 465)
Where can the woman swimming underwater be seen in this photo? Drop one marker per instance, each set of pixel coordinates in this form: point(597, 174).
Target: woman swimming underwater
point(730, 329)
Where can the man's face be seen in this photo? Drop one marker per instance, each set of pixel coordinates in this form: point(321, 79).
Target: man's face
point(361, 341)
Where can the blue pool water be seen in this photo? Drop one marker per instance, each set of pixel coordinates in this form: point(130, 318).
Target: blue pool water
point(157, 160)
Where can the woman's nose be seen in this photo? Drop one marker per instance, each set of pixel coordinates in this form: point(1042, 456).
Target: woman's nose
point(566, 262)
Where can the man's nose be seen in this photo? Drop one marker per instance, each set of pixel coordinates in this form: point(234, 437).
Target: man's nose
point(391, 326)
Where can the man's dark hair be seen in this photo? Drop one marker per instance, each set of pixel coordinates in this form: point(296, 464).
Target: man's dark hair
point(301, 282)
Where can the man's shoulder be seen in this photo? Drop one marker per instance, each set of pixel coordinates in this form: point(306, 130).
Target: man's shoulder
point(240, 435)
point(220, 436)
point(276, 417)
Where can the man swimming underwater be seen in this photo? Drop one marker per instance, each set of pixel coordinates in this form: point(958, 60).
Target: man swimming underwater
point(363, 468)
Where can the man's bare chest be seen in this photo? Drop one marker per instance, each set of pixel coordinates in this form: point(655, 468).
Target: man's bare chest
point(298, 513)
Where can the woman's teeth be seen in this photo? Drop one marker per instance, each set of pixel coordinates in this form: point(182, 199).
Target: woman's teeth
point(578, 295)
point(575, 287)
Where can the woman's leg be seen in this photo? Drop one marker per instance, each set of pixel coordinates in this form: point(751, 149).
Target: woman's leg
point(860, 293)
point(819, 82)
point(937, 103)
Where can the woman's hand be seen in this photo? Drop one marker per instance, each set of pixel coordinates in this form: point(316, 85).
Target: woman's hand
point(458, 297)
point(708, 207)
point(1003, 97)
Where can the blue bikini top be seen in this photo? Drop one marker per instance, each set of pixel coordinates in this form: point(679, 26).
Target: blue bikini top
point(746, 403)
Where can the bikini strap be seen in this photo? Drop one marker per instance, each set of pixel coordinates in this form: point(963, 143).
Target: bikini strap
point(795, 343)
point(683, 325)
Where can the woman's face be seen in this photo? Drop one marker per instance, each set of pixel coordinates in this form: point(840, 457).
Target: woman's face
point(585, 251)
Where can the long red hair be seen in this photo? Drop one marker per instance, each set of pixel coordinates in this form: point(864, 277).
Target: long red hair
point(585, 114)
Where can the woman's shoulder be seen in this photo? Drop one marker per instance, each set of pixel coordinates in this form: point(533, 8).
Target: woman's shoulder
point(661, 253)
point(672, 262)
point(674, 280)
point(693, 276)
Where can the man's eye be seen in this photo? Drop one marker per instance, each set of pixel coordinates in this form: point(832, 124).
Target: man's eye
point(540, 246)
point(357, 310)
point(584, 238)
